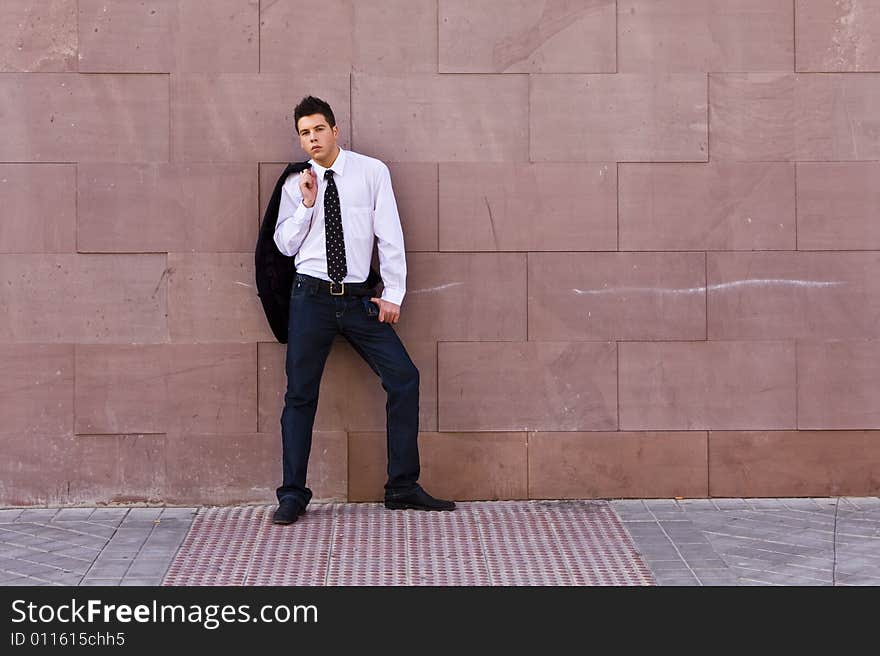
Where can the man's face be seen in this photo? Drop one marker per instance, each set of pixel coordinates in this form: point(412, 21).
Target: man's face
point(317, 138)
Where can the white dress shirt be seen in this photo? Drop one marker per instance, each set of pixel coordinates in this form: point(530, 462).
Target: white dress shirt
point(368, 210)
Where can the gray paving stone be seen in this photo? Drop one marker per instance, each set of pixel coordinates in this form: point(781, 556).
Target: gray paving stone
point(814, 562)
point(37, 514)
point(858, 569)
point(120, 553)
point(101, 514)
point(7, 551)
point(72, 564)
point(629, 516)
point(9, 514)
point(662, 504)
point(166, 537)
point(187, 513)
point(712, 569)
point(160, 548)
point(107, 523)
point(83, 553)
point(697, 550)
point(660, 554)
point(65, 514)
point(143, 513)
point(72, 541)
point(109, 568)
point(706, 563)
point(806, 503)
point(27, 568)
point(20, 539)
point(141, 524)
point(761, 503)
point(7, 577)
point(8, 563)
point(864, 503)
point(124, 545)
point(730, 503)
point(148, 568)
point(661, 514)
point(63, 578)
point(722, 582)
point(100, 582)
point(144, 581)
point(696, 504)
point(172, 525)
point(783, 578)
point(25, 581)
point(689, 536)
point(133, 532)
point(648, 527)
point(857, 579)
point(55, 531)
point(676, 580)
point(668, 565)
point(627, 503)
point(168, 553)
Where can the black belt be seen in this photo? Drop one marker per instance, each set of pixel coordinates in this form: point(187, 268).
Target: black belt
point(336, 288)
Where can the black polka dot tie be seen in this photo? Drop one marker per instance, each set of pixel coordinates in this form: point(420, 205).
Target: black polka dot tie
point(335, 243)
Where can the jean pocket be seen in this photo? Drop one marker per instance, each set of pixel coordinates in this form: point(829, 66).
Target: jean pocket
point(371, 308)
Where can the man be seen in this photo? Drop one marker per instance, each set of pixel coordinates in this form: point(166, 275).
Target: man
point(328, 217)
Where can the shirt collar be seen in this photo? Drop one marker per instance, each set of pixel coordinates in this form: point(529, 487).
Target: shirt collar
point(338, 166)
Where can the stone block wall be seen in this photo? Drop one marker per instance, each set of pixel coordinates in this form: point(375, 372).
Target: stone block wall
point(643, 241)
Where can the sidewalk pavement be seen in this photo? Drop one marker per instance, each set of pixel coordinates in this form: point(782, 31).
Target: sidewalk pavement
point(667, 542)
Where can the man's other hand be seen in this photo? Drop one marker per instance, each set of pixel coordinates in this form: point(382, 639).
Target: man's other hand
point(308, 187)
point(388, 311)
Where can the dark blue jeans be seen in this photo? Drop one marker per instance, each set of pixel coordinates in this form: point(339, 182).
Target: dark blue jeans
point(316, 318)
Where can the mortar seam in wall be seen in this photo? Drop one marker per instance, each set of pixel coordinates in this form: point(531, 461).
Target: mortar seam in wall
point(437, 386)
point(170, 120)
point(708, 119)
point(76, 206)
point(617, 203)
point(708, 468)
point(529, 116)
point(797, 423)
point(797, 245)
point(73, 389)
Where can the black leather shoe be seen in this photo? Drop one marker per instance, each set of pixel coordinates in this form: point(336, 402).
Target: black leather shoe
point(418, 499)
point(288, 511)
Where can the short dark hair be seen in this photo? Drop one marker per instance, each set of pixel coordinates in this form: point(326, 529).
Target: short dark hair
point(311, 105)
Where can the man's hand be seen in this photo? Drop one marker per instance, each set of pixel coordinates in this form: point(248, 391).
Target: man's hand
point(308, 187)
point(388, 311)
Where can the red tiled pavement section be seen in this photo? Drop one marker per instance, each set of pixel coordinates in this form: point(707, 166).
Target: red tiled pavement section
point(564, 543)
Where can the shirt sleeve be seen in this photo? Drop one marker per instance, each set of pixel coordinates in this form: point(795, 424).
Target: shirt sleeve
point(389, 240)
point(294, 218)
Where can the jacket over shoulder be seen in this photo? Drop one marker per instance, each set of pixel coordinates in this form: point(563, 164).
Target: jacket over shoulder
point(273, 270)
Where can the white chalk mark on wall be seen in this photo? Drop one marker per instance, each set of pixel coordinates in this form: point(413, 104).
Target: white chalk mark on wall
point(753, 282)
point(435, 289)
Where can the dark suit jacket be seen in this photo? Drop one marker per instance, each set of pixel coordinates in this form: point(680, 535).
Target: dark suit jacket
point(275, 271)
